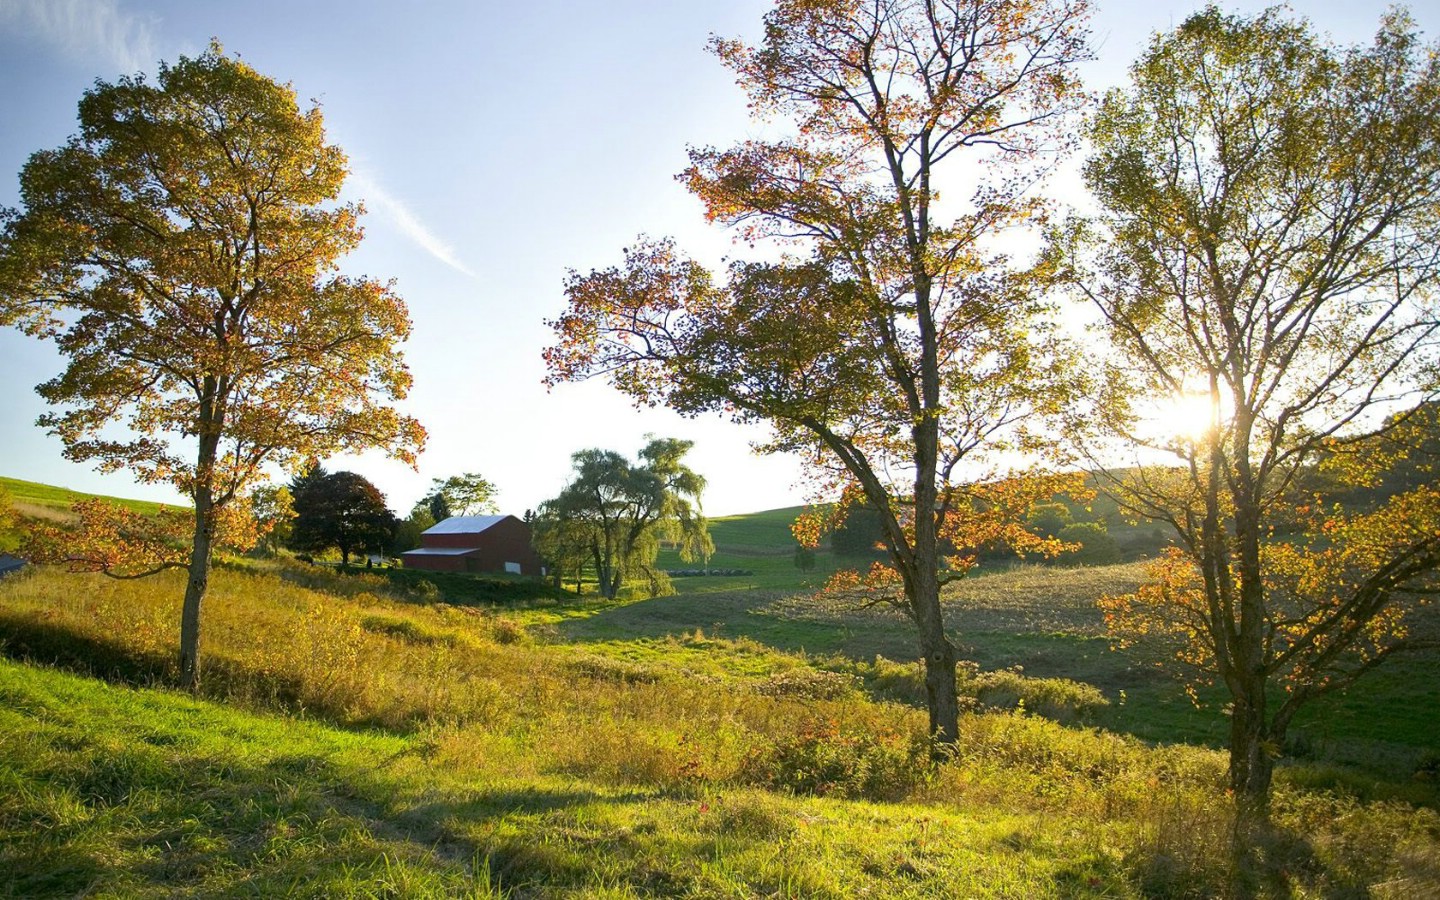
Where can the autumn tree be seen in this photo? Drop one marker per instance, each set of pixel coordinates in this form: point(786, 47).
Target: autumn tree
point(900, 349)
point(617, 512)
point(273, 507)
point(1267, 246)
point(343, 511)
point(181, 251)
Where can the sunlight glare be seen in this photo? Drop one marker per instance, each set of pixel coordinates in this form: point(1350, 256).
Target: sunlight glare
point(1186, 416)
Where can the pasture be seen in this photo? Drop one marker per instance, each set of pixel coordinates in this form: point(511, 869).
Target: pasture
point(359, 735)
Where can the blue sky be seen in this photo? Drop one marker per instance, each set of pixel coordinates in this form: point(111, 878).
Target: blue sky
point(496, 145)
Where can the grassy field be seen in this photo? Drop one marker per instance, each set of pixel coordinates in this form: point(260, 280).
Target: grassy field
point(366, 735)
point(362, 742)
point(45, 501)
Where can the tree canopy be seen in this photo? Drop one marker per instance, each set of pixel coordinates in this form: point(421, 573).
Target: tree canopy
point(614, 513)
point(343, 511)
point(903, 351)
point(181, 252)
point(467, 494)
point(1266, 246)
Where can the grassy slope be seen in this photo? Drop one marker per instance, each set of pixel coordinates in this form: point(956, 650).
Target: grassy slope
point(760, 543)
point(147, 793)
point(46, 501)
point(115, 791)
point(50, 504)
point(550, 769)
point(631, 758)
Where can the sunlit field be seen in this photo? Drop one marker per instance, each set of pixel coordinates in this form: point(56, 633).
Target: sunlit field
point(358, 740)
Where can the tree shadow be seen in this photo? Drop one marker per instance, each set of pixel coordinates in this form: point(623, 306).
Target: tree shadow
point(30, 639)
point(156, 814)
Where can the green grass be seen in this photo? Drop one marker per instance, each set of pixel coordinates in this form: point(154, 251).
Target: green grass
point(143, 793)
point(49, 502)
point(114, 791)
point(362, 736)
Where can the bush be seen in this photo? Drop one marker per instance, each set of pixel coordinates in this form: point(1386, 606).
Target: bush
point(613, 671)
point(810, 684)
point(1059, 699)
point(826, 760)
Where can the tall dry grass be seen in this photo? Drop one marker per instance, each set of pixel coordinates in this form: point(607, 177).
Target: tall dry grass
point(475, 687)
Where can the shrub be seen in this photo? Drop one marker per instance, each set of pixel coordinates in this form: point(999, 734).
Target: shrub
point(1054, 698)
point(1097, 547)
point(810, 684)
point(823, 758)
point(1007, 689)
point(615, 671)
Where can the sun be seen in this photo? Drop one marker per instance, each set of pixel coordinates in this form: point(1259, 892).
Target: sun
point(1187, 416)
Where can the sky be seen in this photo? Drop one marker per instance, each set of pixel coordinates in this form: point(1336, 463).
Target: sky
point(495, 145)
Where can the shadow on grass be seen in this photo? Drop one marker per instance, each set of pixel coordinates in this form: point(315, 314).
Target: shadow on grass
point(28, 639)
point(194, 801)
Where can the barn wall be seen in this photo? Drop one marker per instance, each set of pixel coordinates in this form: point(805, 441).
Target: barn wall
point(506, 541)
point(436, 563)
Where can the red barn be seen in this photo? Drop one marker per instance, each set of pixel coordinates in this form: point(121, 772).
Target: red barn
point(475, 544)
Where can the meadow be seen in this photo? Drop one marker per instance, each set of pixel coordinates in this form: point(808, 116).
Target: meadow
point(366, 735)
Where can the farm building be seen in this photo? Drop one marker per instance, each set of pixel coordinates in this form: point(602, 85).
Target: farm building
point(475, 544)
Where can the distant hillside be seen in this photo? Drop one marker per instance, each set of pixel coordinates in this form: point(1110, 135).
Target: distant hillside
point(44, 501)
point(33, 500)
point(764, 533)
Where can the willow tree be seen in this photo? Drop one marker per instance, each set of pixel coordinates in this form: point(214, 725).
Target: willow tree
point(901, 349)
point(181, 251)
point(1267, 252)
point(614, 513)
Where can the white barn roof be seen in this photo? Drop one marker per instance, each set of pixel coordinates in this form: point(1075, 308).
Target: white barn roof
point(463, 525)
point(441, 551)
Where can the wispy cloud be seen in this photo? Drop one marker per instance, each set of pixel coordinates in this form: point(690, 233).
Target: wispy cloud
point(394, 209)
point(86, 31)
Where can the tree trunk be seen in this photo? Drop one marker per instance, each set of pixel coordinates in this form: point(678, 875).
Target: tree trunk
point(195, 588)
point(210, 425)
point(1252, 761)
point(940, 696)
point(1252, 765)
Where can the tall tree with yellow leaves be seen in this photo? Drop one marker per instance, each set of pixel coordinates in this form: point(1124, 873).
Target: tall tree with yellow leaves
point(1266, 246)
point(905, 353)
point(181, 251)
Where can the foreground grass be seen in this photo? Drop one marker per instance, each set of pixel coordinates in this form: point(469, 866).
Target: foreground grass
point(122, 792)
point(145, 793)
point(485, 753)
